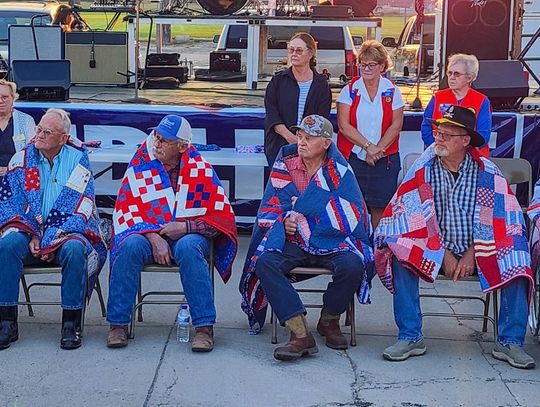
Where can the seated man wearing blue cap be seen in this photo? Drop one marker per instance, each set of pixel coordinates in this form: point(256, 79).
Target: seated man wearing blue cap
point(455, 213)
point(170, 206)
point(312, 215)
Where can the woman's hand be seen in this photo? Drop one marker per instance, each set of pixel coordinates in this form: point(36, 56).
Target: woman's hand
point(373, 154)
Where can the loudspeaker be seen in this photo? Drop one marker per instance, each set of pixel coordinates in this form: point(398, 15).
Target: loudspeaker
point(42, 80)
point(98, 57)
point(28, 42)
point(225, 61)
point(482, 28)
point(504, 82)
point(361, 8)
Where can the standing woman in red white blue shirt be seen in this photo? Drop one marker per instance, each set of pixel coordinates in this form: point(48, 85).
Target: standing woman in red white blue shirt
point(370, 116)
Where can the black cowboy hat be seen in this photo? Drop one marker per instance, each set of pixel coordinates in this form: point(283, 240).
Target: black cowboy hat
point(462, 117)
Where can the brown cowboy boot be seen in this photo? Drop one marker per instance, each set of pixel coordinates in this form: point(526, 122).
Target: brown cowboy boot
point(117, 337)
point(328, 327)
point(203, 341)
point(301, 342)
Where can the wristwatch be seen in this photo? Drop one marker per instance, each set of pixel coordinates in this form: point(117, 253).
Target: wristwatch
point(366, 146)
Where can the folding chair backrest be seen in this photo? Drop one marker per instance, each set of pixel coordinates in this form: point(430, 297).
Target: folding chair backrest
point(516, 171)
point(408, 162)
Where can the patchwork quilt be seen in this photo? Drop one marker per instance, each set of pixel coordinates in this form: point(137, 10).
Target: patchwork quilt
point(147, 201)
point(409, 229)
point(73, 215)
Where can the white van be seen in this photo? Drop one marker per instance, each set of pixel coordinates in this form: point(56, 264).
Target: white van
point(336, 50)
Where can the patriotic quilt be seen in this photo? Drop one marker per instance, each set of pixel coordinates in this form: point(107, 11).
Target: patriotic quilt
point(409, 229)
point(331, 216)
point(147, 201)
point(73, 215)
point(533, 212)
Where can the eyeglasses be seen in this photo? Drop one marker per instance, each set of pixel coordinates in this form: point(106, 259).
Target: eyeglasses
point(47, 132)
point(455, 74)
point(298, 51)
point(446, 136)
point(371, 66)
point(161, 140)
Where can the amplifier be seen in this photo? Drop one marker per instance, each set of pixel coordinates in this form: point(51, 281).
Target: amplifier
point(98, 57)
point(42, 79)
point(178, 72)
point(225, 61)
point(162, 59)
point(341, 11)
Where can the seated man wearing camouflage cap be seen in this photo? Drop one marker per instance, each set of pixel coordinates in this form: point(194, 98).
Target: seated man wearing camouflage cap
point(312, 215)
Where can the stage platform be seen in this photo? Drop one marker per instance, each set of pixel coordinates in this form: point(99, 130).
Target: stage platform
point(235, 94)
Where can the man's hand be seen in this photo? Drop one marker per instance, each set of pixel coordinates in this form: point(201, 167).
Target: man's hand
point(49, 257)
point(174, 230)
point(449, 263)
point(465, 266)
point(34, 246)
point(2, 171)
point(290, 225)
point(160, 249)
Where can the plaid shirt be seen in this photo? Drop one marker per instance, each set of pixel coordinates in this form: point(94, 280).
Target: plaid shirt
point(454, 203)
point(298, 172)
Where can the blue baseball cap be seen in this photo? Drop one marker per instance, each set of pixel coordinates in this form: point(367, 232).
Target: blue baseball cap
point(173, 127)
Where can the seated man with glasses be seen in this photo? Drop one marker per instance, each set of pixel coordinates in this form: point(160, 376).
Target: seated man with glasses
point(455, 213)
point(312, 214)
point(48, 214)
point(462, 71)
point(170, 206)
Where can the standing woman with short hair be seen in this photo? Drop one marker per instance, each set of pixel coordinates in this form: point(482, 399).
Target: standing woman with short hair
point(461, 71)
point(370, 116)
point(293, 94)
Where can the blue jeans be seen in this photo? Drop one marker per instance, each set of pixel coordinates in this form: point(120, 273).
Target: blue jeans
point(271, 269)
point(189, 252)
point(15, 253)
point(513, 310)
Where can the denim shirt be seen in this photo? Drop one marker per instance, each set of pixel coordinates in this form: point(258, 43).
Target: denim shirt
point(53, 179)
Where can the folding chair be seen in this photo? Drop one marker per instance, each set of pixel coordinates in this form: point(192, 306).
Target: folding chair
point(179, 294)
point(41, 269)
point(408, 161)
point(312, 272)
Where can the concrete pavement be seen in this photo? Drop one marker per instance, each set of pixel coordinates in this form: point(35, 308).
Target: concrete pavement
point(155, 370)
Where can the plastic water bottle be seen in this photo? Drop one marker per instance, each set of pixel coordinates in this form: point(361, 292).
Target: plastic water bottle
point(182, 324)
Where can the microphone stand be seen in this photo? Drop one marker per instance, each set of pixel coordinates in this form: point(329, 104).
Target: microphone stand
point(136, 98)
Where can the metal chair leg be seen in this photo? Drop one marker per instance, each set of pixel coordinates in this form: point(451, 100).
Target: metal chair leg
point(496, 314)
point(27, 295)
point(486, 312)
point(273, 321)
point(100, 298)
point(353, 322)
point(139, 299)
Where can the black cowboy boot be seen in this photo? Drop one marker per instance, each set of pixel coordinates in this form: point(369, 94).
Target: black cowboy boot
point(71, 329)
point(9, 329)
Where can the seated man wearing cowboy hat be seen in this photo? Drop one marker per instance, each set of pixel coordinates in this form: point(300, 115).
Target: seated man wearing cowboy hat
point(455, 213)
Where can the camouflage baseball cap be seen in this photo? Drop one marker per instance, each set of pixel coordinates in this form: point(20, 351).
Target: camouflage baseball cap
point(316, 126)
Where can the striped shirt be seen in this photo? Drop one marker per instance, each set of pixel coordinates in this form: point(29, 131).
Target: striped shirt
point(302, 97)
point(53, 179)
point(454, 196)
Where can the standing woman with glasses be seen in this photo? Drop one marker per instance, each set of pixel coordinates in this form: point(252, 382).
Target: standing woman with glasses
point(370, 116)
point(16, 128)
point(461, 72)
point(293, 94)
